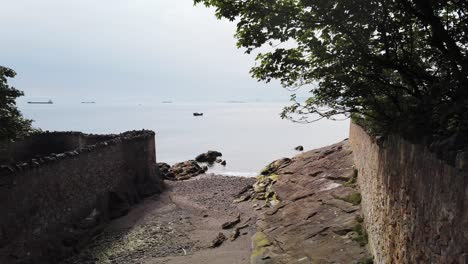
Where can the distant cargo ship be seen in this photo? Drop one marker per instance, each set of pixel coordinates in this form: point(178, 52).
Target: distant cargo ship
point(47, 102)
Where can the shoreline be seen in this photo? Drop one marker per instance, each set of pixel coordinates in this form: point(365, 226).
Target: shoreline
point(299, 210)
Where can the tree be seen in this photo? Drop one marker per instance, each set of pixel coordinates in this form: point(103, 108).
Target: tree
point(12, 124)
point(396, 66)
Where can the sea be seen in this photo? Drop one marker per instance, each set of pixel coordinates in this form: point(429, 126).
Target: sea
point(249, 135)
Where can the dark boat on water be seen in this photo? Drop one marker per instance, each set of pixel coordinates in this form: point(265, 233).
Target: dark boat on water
point(46, 102)
point(197, 114)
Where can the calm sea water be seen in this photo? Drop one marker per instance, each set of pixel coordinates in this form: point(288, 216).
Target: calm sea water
point(250, 135)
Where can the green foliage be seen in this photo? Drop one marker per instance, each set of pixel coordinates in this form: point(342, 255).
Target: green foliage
point(395, 66)
point(12, 124)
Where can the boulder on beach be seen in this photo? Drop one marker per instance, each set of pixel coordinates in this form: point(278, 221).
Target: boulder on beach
point(164, 169)
point(208, 157)
point(185, 170)
point(223, 163)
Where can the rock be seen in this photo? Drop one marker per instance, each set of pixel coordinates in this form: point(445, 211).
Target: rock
point(263, 189)
point(235, 234)
point(205, 168)
point(223, 163)
point(260, 187)
point(242, 198)
point(299, 148)
point(231, 224)
point(186, 170)
point(218, 241)
point(219, 160)
point(208, 157)
point(275, 166)
point(197, 114)
point(243, 190)
point(164, 169)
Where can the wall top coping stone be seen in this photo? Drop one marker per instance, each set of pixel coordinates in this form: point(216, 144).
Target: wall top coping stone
point(108, 140)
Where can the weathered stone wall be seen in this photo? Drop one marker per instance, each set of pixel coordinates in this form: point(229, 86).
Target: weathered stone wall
point(415, 205)
point(47, 198)
point(46, 143)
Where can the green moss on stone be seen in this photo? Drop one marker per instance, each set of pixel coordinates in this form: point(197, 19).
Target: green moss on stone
point(259, 244)
point(359, 219)
point(353, 180)
point(362, 237)
point(369, 260)
point(274, 177)
point(354, 198)
point(264, 190)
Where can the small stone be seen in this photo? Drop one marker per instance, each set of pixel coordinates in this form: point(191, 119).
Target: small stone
point(218, 241)
point(235, 234)
point(243, 198)
point(231, 224)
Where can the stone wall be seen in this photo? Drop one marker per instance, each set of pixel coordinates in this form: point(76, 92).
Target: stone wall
point(49, 200)
point(42, 144)
point(415, 205)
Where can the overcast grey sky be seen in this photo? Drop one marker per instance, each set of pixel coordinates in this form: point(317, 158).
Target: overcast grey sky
point(126, 50)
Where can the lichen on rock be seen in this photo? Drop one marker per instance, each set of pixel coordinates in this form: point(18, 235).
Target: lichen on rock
point(275, 166)
point(264, 190)
point(260, 243)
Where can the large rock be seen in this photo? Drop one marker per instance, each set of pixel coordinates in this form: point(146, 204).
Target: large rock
point(275, 166)
point(208, 157)
point(164, 168)
point(185, 170)
point(312, 212)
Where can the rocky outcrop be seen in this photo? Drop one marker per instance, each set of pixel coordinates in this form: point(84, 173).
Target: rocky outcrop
point(208, 157)
point(311, 211)
point(184, 171)
point(275, 166)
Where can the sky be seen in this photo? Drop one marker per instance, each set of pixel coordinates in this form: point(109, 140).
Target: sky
point(126, 50)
